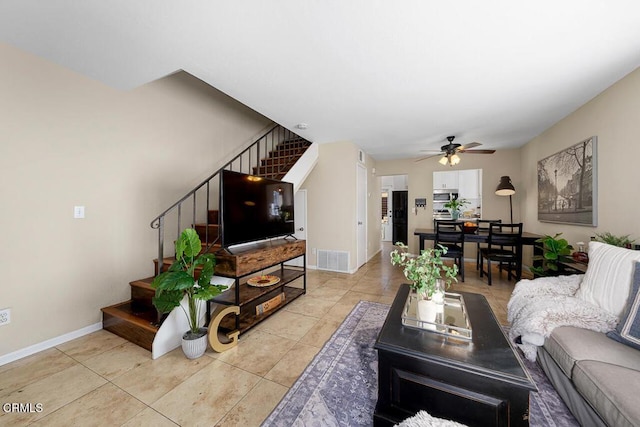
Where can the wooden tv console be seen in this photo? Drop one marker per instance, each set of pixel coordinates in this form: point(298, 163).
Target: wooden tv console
point(247, 262)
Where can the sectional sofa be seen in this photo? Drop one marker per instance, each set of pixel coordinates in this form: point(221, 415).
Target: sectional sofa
point(584, 331)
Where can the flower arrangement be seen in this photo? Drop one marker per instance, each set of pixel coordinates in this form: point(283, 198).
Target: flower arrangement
point(425, 269)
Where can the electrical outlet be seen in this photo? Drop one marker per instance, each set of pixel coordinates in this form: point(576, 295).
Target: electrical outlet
point(313, 251)
point(5, 316)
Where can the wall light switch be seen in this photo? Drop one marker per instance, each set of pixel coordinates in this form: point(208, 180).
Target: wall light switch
point(78, 211)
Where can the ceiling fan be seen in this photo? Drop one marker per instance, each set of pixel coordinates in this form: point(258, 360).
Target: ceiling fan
point(449, 152)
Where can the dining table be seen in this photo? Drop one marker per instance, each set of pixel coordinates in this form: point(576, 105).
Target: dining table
point(528, 239)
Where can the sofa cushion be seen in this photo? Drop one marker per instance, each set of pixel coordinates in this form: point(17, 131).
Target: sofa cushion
point(611, 390)
point(628, 329)
point(608, 277)
point(568, 345)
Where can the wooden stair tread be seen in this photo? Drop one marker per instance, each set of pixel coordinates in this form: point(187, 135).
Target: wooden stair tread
point(146, 320)
point(143, 283)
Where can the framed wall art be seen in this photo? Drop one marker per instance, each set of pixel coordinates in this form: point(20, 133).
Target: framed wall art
point(567, 185)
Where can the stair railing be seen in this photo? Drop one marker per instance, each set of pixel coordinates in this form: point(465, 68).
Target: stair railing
point(256, 159)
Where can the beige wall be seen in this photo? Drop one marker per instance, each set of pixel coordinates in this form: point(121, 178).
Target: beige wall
point(67, 140)
point(420, 179)
point(614, 117)
point(332, 207)
point(331, 201)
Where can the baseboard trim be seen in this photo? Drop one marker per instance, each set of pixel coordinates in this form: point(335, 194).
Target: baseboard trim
point(45, 345)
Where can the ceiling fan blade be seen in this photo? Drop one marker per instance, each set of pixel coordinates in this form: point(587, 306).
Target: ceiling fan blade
point(428, 157)
point(478, 151)
point(469, 145)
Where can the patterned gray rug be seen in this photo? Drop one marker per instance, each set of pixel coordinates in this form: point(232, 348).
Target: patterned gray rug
point(339, 387)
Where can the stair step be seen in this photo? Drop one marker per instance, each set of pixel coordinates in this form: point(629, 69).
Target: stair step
point(212, 216)
point(283, 152)
point(141, 295)
point(277, 176)
point(282, 160)
point(213, 234)
point(293, 143)
point(137, 327)
point(271, 171)
point(166, 262)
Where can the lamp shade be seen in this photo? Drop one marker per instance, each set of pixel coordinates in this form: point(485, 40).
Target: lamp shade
point(505, 188)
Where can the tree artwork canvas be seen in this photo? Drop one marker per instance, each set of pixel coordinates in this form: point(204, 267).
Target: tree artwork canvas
point(567, 185)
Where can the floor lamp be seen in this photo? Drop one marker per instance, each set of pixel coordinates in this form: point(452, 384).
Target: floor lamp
point(505, 188)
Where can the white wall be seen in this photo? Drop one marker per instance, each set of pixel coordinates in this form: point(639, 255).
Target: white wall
point(67, 140)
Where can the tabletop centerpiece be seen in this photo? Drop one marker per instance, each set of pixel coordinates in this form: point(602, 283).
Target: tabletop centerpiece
point(428, 275)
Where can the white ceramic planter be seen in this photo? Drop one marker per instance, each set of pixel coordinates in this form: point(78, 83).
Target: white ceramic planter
point(427, 310)
point(194, 348)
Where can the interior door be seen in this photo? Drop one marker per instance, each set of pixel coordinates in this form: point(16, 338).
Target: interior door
point(400, 206)
point(300, 221)
point(361, 213)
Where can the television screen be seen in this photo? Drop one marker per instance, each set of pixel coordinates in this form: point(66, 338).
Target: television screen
point(254, 208)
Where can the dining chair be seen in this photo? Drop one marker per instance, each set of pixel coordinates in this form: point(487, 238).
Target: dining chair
point(483, 227)
point(450, 234)
point(504, 246)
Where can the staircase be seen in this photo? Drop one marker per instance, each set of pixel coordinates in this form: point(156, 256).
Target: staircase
point(277, 155)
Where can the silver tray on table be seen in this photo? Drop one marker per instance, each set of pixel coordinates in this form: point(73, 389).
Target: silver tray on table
point(450, 318)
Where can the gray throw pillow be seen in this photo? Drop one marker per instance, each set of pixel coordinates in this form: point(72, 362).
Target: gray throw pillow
point(628, 329)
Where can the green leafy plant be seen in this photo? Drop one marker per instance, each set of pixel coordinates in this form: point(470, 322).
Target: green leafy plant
point(554, 251)
point(456, 204)
point(611, 239)
point(423, 270)
point(180, 279)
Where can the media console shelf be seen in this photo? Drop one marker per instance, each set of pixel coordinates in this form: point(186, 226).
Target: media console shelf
point(250, 261)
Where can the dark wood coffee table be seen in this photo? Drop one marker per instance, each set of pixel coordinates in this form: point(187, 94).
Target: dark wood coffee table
point(481, 382)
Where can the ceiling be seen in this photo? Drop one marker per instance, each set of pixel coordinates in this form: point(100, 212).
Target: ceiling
point(393, 77)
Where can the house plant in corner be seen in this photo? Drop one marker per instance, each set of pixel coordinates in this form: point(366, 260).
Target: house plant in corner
point(425, 272)
point(189, 277)
point(455, 206)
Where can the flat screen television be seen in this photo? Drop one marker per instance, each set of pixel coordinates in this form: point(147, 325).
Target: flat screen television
point(254, 208)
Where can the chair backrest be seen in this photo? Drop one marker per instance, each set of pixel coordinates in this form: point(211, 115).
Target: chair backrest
point(505, 235)
point(483, 224)
point(449, 232)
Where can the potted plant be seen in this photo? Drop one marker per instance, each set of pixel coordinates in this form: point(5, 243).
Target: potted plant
point(611, 239)
point(188, 278)
point(554, 252)
point(425, 272)
point(455, 206)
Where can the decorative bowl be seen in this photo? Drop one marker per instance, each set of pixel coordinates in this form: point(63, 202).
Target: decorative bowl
point(470, 229)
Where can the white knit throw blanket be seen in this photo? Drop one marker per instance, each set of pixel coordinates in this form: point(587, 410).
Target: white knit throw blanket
point(539, 306)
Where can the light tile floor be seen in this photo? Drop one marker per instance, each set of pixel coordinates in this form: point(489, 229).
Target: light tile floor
point(102, 380)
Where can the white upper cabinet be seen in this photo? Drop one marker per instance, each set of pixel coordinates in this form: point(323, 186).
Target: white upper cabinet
point(445, 180)
point(469, 184)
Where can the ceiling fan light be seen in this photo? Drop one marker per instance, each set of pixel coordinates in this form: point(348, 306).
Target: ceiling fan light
point(443, 161)
point(455, 159)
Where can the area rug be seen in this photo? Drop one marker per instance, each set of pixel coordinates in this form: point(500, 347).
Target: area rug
point(340, 386)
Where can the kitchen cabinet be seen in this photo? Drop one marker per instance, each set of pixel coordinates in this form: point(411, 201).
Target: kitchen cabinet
point(468, 184)
point(445, 180)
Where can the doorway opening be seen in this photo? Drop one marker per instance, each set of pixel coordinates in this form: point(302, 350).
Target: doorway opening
point(394, 207)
